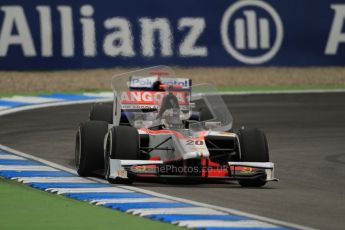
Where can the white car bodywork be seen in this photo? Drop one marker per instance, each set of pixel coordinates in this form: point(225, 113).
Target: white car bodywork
point(134, 98)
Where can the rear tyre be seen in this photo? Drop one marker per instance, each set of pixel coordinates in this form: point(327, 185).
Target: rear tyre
point(123, 144)
point(89, 147)
point(254, 148)
point(101, 112)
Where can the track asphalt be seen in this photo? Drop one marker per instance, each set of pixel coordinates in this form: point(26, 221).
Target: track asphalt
point(306, 134)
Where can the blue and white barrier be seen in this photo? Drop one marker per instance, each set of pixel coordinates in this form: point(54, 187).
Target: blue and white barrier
point(44, 34)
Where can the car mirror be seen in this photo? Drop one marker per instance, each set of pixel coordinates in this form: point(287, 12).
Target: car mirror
point(212, 124)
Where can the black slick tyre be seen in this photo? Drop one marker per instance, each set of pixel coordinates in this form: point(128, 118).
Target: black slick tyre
point(122, 144)
point(254, 148)
point(89, 153)
point(101, 112)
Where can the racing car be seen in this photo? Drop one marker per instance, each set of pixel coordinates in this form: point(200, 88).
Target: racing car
point(161, 126)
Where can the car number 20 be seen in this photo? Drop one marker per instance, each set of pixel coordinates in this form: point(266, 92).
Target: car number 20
point(195, 142)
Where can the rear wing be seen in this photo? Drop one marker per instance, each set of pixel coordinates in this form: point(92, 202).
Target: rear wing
point(150, 83)
point(144, 99)
point(144, 92)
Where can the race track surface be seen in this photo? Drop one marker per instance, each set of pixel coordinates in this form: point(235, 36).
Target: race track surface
point(306, 134)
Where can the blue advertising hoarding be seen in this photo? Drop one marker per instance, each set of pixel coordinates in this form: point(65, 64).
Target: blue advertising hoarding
point(41, 34)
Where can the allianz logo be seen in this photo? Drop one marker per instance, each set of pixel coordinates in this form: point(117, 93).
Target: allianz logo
point(251, 31)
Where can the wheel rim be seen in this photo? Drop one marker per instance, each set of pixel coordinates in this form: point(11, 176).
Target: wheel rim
point(77, 150)
point(107, 159)
point(106, 168)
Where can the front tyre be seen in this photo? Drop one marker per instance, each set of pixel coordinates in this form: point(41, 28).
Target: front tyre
point(89, 147)
point(122, 144)
point(254, 148)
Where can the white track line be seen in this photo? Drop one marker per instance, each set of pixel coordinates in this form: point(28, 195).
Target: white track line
point(26, 168)
point(33, 100)
point(10, 157)
point(86, 190)
point(130, 200)
point(224, 224)
point(101, 94)
point(4, 107)
point(182, 210)
point(53, 180)
point(11, 110)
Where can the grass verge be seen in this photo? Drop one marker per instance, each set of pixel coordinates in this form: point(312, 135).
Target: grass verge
point(23, 207)
point(70, 80)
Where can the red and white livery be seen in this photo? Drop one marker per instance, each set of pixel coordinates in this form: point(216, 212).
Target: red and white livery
point(162, 127)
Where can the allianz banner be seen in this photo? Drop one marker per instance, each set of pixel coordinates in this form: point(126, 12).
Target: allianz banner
point(46, 34)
